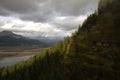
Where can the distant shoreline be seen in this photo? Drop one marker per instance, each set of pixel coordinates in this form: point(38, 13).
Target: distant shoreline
point(16, 54)
point(7, 52)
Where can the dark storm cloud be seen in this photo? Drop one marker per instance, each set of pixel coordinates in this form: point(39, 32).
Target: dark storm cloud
point(5, 12)
point(50, 8)
point(74, 7)
point(39, 10)
point(19, 6)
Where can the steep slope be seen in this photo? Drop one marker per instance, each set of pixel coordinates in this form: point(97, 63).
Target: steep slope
point(92, 53)
point(109, 6)
point(8, 38)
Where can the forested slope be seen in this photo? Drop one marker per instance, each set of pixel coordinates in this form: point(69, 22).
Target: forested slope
point(92, 53)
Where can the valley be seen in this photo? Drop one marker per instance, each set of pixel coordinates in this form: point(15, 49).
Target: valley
point(12, 55)
point(6, 52)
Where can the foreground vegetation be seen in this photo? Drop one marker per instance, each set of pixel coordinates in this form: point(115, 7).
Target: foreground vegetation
point(92, 53)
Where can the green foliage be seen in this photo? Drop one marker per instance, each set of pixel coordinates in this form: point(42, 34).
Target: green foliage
point(45, 68)
point(89, 22)
point(109, 6)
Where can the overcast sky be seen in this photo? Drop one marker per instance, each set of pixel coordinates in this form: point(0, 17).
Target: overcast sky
point(44, 18)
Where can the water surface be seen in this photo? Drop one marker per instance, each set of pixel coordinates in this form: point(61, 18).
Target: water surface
point(12, 60)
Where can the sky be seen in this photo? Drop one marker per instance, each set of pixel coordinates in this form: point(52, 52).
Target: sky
point(44, 18)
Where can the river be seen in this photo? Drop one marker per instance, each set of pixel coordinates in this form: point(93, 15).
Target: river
point(12, 60)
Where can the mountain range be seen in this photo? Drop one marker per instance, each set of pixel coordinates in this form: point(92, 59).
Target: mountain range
point(8, 38)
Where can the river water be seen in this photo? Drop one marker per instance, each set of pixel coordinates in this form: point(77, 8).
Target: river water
point(12, 60)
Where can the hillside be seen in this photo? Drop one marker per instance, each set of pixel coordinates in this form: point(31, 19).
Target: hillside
point(8, 38)
point(91, 53)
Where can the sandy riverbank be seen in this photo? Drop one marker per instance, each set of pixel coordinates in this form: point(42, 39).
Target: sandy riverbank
point(6, 52)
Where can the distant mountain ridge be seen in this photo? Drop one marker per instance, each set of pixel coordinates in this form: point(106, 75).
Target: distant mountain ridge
point(9, 33)
point(8, 38)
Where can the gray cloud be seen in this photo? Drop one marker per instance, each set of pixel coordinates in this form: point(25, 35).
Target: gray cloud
point(19, 6)
point(60, 15)
point(39, 10)
point(73, 7)
point(68, 23)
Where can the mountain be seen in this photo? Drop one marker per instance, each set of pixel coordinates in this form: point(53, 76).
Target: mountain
point(8, 38)
point(91, 53)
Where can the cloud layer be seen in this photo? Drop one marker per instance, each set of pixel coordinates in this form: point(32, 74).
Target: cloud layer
point(44, 17)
